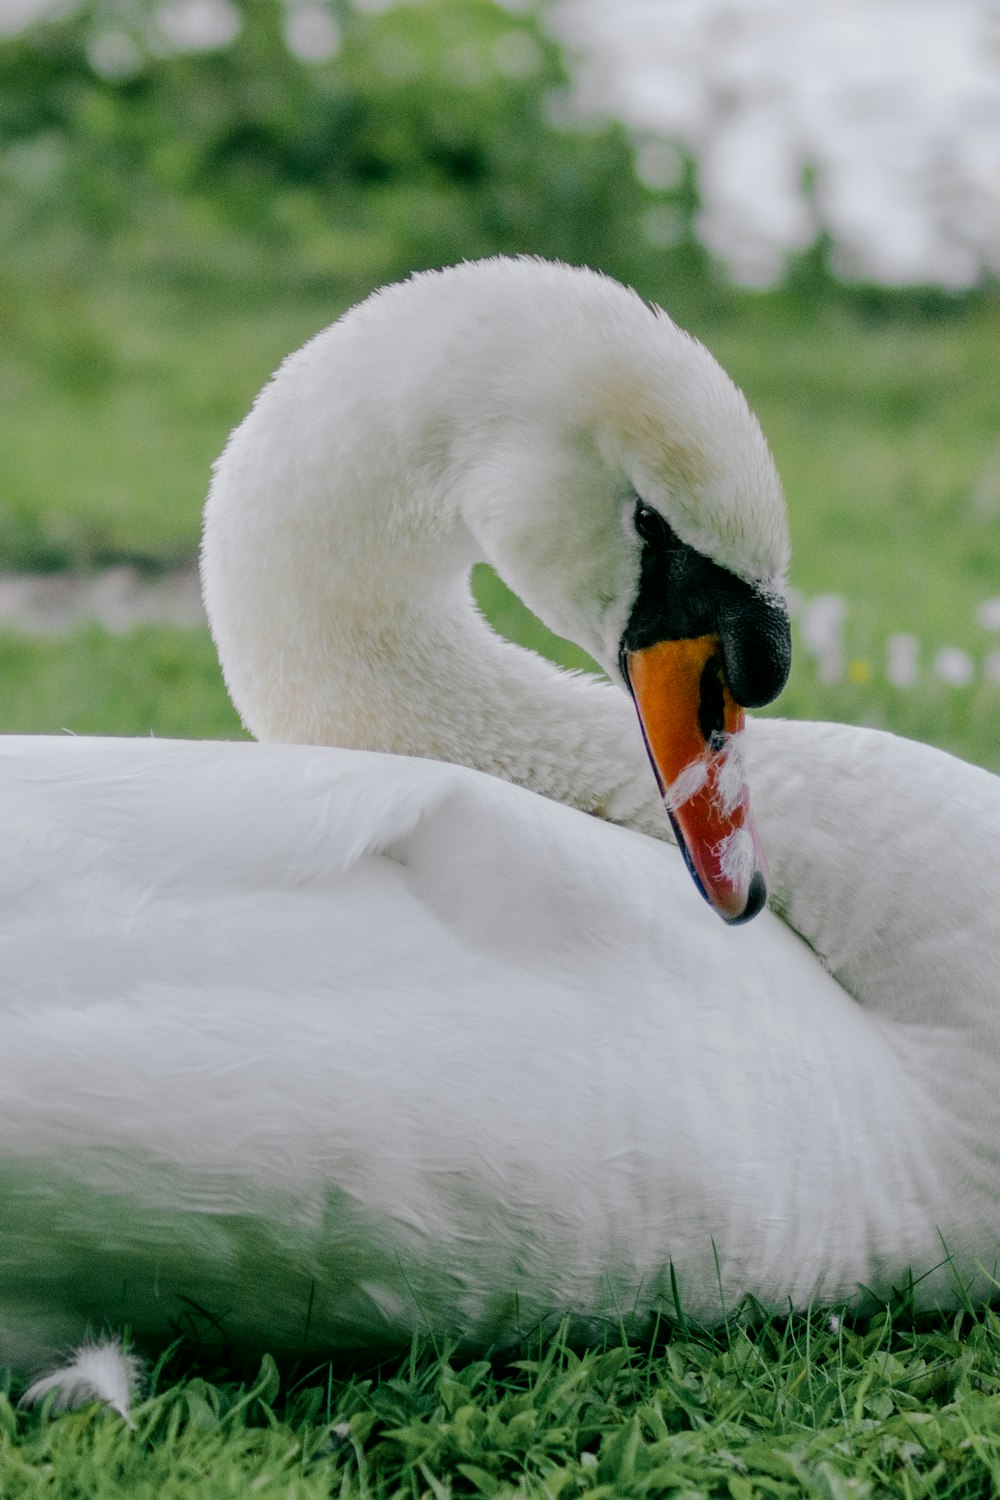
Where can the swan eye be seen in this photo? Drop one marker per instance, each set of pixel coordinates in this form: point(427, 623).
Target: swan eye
point(649, 524)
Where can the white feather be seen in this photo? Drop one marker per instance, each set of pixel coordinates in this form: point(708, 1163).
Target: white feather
point(730, 786)
point(95, 1372)
point(687, 784)
point(736, 856)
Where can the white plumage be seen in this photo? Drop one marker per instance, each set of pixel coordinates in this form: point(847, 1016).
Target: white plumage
point(99, 1371)
point(337, 1045)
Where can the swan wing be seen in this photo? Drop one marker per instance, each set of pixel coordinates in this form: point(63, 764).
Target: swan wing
point(318, 1046)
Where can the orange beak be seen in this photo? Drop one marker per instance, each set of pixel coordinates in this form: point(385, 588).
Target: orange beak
point(692, 725)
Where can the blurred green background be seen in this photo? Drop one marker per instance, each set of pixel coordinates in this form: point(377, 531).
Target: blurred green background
point(173, 221)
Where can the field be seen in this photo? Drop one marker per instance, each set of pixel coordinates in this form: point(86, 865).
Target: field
point(784, 1410)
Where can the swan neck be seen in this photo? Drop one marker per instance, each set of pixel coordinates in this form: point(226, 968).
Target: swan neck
point(344, 616)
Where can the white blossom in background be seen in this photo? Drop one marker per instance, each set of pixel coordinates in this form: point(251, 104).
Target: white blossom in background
point(988, 614)
point(902, 666)
point(311, 33)
point(197, 25)
point(954, 666)
point(821, 627)
point(115, 55)
point(14, 14)
point(893, 104)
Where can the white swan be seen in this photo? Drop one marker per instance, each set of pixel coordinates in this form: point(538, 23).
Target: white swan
point(334, 1045)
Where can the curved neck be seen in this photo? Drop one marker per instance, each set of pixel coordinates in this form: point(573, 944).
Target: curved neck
point(461, 693)
point(336, 565)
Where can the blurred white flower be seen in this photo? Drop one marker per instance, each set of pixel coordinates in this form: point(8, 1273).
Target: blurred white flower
point(17, 13)
point(988, 614)
point(896, 103)
point(115, 56)
point(198, 25)
point(311, 33)
point(821, 624)
point(821, 621)
point(902, 660)
point(954, 666)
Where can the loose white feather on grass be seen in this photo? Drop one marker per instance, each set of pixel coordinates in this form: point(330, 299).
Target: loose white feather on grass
point(99, 1371)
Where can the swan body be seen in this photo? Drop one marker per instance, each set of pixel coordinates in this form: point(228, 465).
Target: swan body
point(322, 1046)
point(227, 1088)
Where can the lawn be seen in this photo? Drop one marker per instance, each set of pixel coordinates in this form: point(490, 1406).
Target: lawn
point(809, 1407)
point(885, 425)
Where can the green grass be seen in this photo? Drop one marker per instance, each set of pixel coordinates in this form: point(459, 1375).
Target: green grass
point(114, 401)
point(887, 436)
point(164, 682)
point(785, 1409)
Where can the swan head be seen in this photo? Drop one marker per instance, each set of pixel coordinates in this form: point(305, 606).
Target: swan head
point(547, 420)
point(622, 486)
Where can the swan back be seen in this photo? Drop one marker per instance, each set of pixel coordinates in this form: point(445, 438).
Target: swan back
point(490, 1122)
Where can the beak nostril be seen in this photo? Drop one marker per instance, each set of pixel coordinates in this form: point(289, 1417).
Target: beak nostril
point(712, 703)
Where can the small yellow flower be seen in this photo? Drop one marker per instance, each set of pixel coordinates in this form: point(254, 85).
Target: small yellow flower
point(859, 671)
